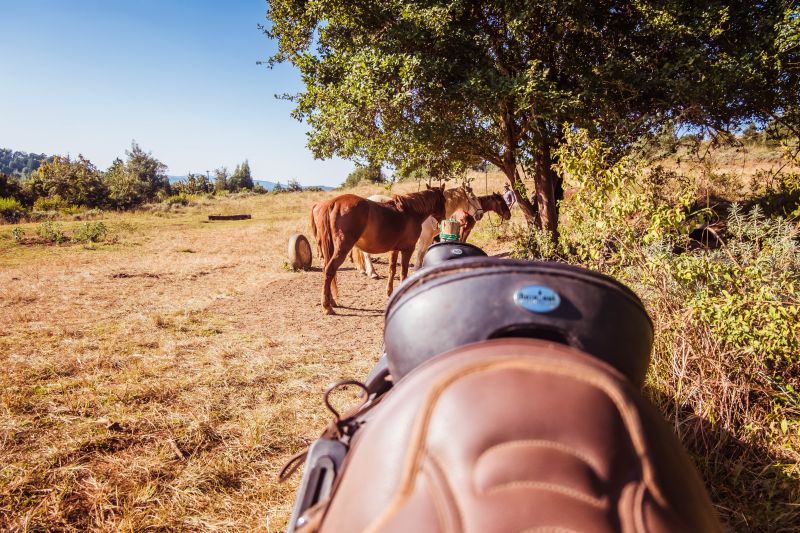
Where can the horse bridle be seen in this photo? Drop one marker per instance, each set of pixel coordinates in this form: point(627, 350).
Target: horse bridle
point(473, 200)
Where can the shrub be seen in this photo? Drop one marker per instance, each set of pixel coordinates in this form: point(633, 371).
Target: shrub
point(18, 234)
point(74, 182)
point(90, 232)
point(49, 203)
point(11, 210)
point(726, 360)
point(177, 199)
point(51, 232)
point(193, 184)
point(9, 186)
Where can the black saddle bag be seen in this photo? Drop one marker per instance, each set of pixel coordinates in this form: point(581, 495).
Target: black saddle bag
point(480, 298)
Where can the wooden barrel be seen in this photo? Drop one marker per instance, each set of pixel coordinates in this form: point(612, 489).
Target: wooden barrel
point(299, 252)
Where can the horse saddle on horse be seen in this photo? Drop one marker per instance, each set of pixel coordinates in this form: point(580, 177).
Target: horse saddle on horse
point(510, 402)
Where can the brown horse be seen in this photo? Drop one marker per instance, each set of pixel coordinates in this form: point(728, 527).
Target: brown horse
point(349, 220)
point(459, 198)
point(491, 202)
point(430, 228)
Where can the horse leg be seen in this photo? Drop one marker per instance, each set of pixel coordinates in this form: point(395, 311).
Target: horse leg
point(359, 259)
point(369, 270)
point(328, 303)
point(392, 270)
point(425, 240)
point(405, 260)
point(467, 229)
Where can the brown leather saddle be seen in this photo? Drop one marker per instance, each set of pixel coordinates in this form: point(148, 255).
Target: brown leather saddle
point(507, 433)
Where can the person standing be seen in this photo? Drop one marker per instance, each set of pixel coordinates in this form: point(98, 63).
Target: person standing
point(509, 196)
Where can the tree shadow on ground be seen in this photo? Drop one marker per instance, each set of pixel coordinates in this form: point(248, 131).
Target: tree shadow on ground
point(751, 487)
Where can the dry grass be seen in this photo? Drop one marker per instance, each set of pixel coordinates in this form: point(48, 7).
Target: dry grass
point(162, 380)
point(729, 173)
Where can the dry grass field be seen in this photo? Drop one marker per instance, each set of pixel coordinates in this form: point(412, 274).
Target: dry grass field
point(161, 380)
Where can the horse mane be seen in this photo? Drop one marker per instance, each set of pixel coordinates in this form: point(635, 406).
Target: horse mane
point(495, 195)
point(416, 202)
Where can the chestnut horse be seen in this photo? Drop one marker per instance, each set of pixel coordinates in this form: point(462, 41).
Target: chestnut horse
point(458, 198)
point(492, 202)
point(349, 220)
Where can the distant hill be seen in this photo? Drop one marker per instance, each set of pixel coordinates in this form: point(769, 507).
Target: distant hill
point(269, 185)
point(20, 163)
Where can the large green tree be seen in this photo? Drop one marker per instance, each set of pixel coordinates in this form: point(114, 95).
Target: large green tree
point(444, 84)
point(137, 180)
point(241, 178)
point(75, 181)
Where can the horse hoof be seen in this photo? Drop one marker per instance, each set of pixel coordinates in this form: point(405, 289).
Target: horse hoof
point(374, 276)
point(328, 311)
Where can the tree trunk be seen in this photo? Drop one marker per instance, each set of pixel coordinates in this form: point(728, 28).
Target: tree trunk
point(528, 209)
point(548, 188)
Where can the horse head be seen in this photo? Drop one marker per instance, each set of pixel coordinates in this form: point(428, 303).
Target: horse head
point(500, 206)
point(474, 206)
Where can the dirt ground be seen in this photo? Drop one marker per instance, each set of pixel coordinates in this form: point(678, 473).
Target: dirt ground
point(161, 380)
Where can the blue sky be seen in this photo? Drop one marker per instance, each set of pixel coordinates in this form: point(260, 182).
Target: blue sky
point(178, 76)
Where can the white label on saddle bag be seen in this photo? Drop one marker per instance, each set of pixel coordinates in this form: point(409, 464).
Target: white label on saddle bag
point(537, 298)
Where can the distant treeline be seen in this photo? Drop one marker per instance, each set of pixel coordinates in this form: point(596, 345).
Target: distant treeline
point(15, 163)
point(31, 183)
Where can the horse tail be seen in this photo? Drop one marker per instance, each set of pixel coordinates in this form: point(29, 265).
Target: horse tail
point(324, 236)
point(314, 233)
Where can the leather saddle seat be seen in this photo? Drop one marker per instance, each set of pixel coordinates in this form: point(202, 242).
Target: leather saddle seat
point(515, 435)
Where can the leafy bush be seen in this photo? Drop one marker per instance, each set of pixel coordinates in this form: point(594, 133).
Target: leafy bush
point(177, 199)
point(11, 210)
point(726, 360)
point(90, 232)
point(193, 184)
point(293, 186)
point(18, 234)
point(49, 203)
point(74, 182)
point(51, 232)
point(9, 186)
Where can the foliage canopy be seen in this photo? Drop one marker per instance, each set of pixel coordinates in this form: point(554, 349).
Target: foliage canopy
point(445, 84)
